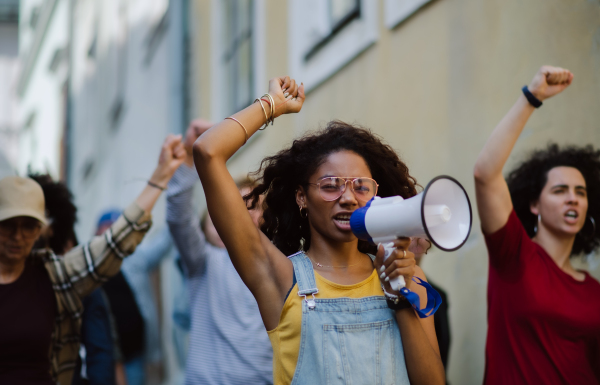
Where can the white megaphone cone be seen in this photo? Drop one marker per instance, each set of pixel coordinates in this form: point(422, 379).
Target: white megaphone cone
point(441, 213)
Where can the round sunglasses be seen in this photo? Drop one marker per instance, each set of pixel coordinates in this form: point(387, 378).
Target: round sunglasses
point(332, 187)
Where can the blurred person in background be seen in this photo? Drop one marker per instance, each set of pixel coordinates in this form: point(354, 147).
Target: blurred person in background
point(96, 363)
point(543, 314)
point(41, 294)
point(181, 316)
point(228, 343)
point(133, 305)
point(127, 323)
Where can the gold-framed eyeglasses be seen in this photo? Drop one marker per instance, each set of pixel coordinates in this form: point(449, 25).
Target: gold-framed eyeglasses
point(332, 187)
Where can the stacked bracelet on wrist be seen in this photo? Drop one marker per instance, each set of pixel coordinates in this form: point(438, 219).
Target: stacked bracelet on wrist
point(267, 118)
point(271, 103)
point(264, 111)
point(531, 97)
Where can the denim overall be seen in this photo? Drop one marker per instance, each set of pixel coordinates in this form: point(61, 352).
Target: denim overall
point(344, 340)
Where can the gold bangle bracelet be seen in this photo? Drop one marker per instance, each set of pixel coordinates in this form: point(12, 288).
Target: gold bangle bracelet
point(272, 107)
point(241, 125)
point(265, 112)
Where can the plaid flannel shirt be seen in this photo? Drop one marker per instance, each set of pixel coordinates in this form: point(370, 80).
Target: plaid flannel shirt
point(77, 274)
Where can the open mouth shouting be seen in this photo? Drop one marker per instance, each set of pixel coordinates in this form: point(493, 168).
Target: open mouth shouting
point(342, 220)
point(571, 216)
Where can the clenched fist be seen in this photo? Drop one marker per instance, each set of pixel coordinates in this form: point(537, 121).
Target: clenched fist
point(549, 81)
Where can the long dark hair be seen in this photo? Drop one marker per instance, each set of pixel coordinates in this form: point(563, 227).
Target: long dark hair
point(529, 178)
point(280, 175)
point(61, 210)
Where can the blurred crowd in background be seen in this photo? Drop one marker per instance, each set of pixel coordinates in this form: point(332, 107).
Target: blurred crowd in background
point(90, 89)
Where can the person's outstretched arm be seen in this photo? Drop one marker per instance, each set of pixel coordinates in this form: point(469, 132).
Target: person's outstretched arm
point(87, 266)
point(262, 267)
point(184, 222)
point(493, 198)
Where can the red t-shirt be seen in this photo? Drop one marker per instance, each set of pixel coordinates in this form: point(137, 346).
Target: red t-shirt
point(543, 325)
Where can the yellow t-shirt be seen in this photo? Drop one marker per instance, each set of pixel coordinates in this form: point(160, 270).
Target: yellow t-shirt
point(285, 338)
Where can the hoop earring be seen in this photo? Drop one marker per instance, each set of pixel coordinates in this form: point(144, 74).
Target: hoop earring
point(535, 228)
point(305, 212)
point(588, 238)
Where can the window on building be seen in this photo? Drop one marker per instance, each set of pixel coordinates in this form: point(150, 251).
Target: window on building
point(91, 51)
point(396, 11)
point(327, 34)
point(58, 57)
point(335, 15)
point(237, 54)
point(34, 17)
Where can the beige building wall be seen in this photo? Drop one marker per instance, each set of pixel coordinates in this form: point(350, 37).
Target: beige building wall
point(434, 87)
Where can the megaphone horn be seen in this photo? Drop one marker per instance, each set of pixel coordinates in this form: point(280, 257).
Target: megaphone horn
point(441, 213)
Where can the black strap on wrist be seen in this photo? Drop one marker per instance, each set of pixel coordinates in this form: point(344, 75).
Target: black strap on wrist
point(152, 184)
point(531, 97)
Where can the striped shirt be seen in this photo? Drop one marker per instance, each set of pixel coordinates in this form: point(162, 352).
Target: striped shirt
point(228, 342)
point(80, 272)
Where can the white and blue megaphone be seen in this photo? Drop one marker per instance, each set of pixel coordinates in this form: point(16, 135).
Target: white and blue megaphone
point(441, 213)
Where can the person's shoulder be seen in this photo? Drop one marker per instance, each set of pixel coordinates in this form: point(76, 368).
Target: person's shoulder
point(42, 257)
point(592, 282)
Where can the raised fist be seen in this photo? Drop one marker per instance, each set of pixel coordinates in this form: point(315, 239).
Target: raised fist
point(549, 81)
point(172, 155)
point(196, 128)
point(288, 95)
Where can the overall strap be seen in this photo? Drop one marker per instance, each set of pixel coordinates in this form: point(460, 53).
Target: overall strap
point(305, 276)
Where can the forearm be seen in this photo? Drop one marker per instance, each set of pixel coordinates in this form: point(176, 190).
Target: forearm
point(150, 194)
point(106, 251)
point(226, 137)
point(423, 361)
point(497, 149)
point(183, 224)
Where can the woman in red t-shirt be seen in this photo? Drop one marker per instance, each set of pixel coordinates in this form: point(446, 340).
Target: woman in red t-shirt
point(544, 315)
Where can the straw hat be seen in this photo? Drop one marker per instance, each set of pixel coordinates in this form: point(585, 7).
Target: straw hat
point(21, 197)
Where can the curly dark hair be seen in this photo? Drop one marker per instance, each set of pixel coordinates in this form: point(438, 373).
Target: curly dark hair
point(529, 178)
point(60, 210)
point(280, 175)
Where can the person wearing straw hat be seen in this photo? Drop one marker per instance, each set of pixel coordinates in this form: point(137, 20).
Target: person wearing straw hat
point(41, 294)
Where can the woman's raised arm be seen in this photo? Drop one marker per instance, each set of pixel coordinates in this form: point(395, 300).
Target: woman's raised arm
point(259, 263)
point(493, 198)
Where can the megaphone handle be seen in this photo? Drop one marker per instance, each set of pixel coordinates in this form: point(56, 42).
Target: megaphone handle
point(398, 282)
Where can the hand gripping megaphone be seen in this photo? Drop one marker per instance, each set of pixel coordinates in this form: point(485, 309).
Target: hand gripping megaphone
point(441, 213)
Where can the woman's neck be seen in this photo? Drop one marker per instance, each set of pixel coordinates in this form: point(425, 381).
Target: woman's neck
point(330, 253)
point(559, 249)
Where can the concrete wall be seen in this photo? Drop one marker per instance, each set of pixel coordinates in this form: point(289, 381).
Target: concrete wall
point(9, 64)
point(434, 87)
point(42, 104)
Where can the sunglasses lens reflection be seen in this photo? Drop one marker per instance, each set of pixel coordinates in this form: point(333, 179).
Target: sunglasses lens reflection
point(332, 188)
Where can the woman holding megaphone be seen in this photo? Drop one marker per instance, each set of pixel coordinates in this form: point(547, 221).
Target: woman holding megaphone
point(323, 307)
point(544, 315)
